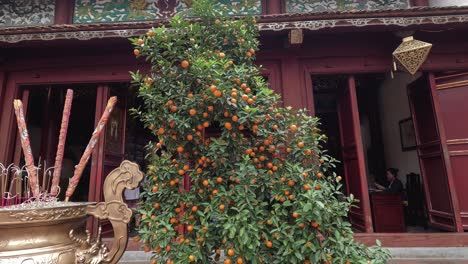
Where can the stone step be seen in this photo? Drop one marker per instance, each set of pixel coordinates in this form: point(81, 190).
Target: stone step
point(440, 255)
point(428, 261)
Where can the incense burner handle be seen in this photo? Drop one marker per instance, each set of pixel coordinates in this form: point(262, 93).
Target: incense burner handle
point(126, 176)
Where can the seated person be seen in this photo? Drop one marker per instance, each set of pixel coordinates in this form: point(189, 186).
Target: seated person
point(395, 185)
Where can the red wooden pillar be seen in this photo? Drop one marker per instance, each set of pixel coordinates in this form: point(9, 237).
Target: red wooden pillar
point(293, 88)
point(8, 124)
point(64, 11)
point(419, 3)
point(2, 90)
point(273, 7)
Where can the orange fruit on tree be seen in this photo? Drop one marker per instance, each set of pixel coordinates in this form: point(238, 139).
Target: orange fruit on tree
point(218, 93)
point(228, 126)
point(227, 261)
point(300, 144)
point(222, 55)
point(173, 108)
point(219, 180)
point(190, 228)
point(194, 208)
point(213, 88)
point(221, 207)
point(189, 137)
point(231, 252)
point(339, 178)
point(184, 64)
point(235, 118)
point(269, 244)
point(295, 214)
point(191, 258)
point(248, 54)
point(147, 249)
point(181, 172)
point(245, 97)
point(157, 205)
point(240, 261)
point(192, 112)
point(317, 187)
point(155, 188)
point(161, 131)
point(136, 52)
point(180, 149)
point(291, 183)
point(206, 183)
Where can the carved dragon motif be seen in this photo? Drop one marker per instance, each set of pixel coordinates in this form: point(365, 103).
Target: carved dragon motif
point(90, 253)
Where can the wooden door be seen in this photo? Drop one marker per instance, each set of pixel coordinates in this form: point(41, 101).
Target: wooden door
point(433, 155)
point(353, 155)
point(452, 92)
point(111, 146)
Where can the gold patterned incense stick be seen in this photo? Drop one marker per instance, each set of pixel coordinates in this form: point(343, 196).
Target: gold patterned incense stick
point(61, 143)
point(89, 149)
point(26, 145)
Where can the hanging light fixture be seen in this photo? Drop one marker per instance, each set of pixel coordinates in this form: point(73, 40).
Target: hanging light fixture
point(410, 55)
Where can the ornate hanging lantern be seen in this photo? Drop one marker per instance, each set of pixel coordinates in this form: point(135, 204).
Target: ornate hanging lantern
point(411, 54)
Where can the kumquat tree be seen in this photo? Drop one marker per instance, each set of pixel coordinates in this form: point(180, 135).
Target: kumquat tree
point(260, 189)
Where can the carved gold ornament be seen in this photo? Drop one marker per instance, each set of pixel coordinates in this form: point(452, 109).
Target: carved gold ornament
point(411, 54)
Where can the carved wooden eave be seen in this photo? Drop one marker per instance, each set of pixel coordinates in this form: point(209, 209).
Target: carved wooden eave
point(412, 17)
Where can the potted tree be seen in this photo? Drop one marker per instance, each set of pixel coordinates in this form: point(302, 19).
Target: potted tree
point(232, 173)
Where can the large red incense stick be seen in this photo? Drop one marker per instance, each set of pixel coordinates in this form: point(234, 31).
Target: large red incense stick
point(26, 145)
point(61, 142)
point(89, 149)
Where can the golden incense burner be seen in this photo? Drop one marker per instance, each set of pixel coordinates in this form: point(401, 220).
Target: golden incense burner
point(55, 233)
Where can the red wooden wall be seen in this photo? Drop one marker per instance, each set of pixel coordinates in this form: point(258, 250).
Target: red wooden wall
point(289, 70)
